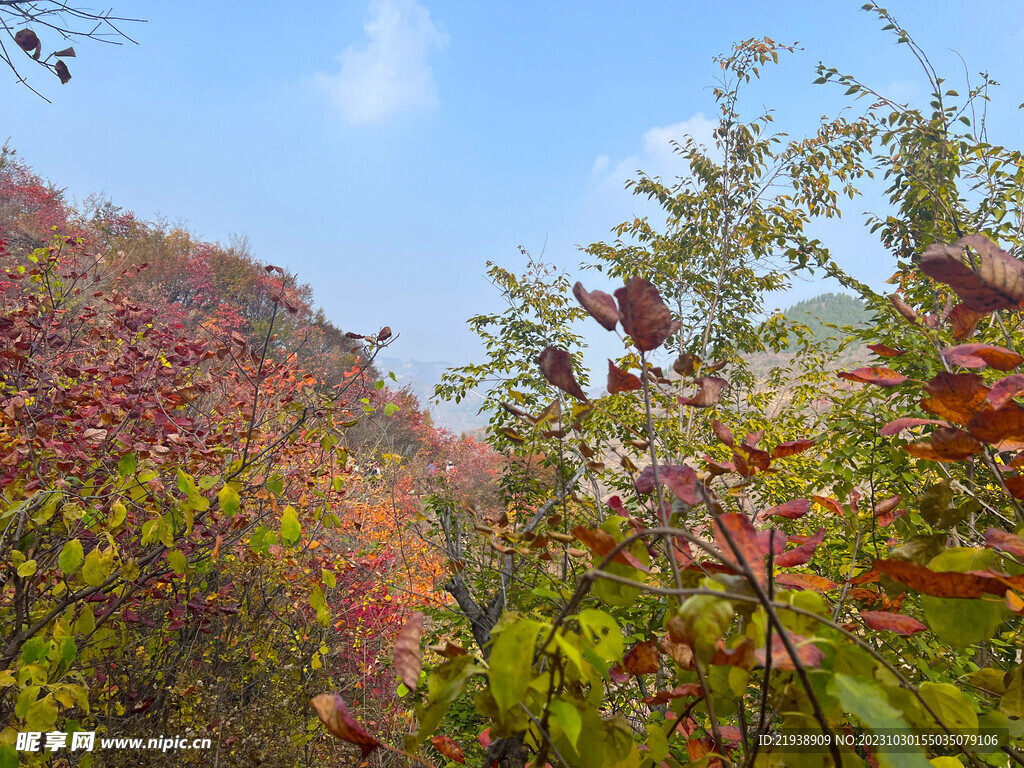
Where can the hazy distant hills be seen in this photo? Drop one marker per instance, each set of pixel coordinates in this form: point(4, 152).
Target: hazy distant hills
point(421, 377)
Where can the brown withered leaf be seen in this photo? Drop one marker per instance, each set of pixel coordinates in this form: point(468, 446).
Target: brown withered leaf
point(955, 396)
point(408, 657)
point(556, 365)
point(643, 314)
point(896, 426)
point(28, 41)
point(880, 376)
point(384, 334)
point(964, 322)
point(678, 651)
point(330, 708)
point(741, 655)
point(954, 444)
point(66, 53)
point(64, 74)
point(899, 623)
point(686, 364)
point(621, 381)
point(709, 394)
point(600, 543)
point(987, 280)
point(1004, 390)
point(642, 659)
point(1004, 542)
point(996, 425)
point(802, 554)
point(599, 304)
point(723, 433)
point(791, 510)
point(791, 448)
point(903, 308)
point(449, 650)
point(885, 351)
point(448, 747)
point(982, 356)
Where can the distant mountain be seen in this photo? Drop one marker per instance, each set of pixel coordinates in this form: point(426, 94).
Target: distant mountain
point(833, 308)
point(421, 378)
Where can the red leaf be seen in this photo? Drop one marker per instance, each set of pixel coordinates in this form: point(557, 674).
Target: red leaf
point(642, 659)
point(791, 510)
point(723, 433)
point(946, 583)
point(955, 396)
point(679, 478)
point(332, 713)
point(954, 444)
point(802, 554)
point(793, 447)
point(599, 304)
point(899, 623)
point(408, 656)
point(746, 546)
point(963, 321)
point(621, 381)
point(883, 351)
point(556, 365)
point(644, 315)
point(1006, 389)
point(807, 653)
point(1005, 542)
point(898, 425)
point(600, 543)
point(986, 280)
point(449, 748)
point(879, 376)
point(982, 356)
point(709, 394)
point(993, 426)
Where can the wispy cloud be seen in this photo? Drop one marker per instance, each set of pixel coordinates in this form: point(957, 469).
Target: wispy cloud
point(390, 72)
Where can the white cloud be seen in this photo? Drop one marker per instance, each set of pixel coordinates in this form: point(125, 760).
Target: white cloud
point(390, 72)
point(600, 164)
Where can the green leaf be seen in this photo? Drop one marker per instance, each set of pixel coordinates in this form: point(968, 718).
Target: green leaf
point(867, 702)
point(390, 409)
point(228, 499)
point(8, 756)
point(126, 466)
point(511, 662)
point(568, 716)
point(177, 560)
point(444, 684)
point(34, 650)
point(329, 578)
point(291, 531)
point(71, 556)
point(950, 705)
point(604, 632)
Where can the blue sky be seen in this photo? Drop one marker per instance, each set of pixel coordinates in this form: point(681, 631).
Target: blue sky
point(386, 150)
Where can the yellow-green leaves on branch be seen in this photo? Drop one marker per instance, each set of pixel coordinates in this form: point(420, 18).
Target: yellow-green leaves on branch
point(408, 656)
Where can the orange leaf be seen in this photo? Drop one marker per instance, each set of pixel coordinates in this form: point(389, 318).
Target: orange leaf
point(982, 356)
point(954, 444)
point(330, 708)
point(879, 376)
point(955, 396)
point(449, 748)
point(600, 543)
point(793, 447)
point(883, 351)
point(621, 381)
